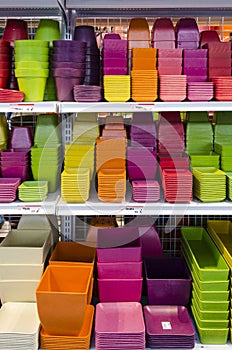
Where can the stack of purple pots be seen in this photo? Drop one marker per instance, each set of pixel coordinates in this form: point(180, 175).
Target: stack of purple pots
point(86, 35)
point(68, 62)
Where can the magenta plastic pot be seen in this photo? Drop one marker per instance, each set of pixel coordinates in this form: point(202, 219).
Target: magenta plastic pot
point(15, 171)
point(4, 43)
point(119, 270)
point(21, 137)
point(10, 154)
point(120, 290)
point(120, 254)
point(15, 29)
point(163, 30)
point(168, 280)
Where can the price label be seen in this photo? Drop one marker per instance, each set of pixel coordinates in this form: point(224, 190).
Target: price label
point(166, 325)
point(30, 209)
point(22, 107)
point(133, 210)
point(145, 106)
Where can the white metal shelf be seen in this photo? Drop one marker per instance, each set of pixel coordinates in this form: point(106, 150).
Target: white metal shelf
point(94, 206)
point(130, 107)
point(47, 207)
point(157, 8)
point(112, 107)
point(29, 107)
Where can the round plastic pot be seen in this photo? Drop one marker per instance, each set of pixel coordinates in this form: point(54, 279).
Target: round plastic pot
point(32, 87)
point(27, 72)
point(27, 56)
point(30, 43)
point(31, 65)
point(64, 87)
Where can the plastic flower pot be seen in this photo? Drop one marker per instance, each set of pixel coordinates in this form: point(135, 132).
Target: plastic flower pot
point(35, 50)
point(31, 72)
point(168, 280)
point(15, 29)
point(21, 137)
point(30, 57)
point(18, 290)
point(64, 87)
point(31, 65)
point(72, 253)
point(62, 296)
point(32, 87)
point(48, 29)
point(120, 289)
point(25, 246)
point(30, 43)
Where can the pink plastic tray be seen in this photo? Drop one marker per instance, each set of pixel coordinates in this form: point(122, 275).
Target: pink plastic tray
point(130, 314)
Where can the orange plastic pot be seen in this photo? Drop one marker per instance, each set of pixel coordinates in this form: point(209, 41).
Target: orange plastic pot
point(72, 253)
point(62, 296)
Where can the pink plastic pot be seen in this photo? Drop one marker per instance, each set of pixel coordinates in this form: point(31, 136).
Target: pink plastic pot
point(119, 270)
point(122, 290)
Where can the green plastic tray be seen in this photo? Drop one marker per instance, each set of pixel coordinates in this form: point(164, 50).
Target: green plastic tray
point(211, 335)
point(210, 315)
point(221, 232)
point(209, 263)
point(204, 285)
point(217, 324)
point(211, 295)
point(205, 160)
point(210, 305)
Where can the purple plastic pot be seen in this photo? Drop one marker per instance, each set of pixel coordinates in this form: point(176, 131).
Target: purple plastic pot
point(68, 44)
point(64, 87)
point(70, 57)
point(168, 280)
point(21, 138)
point(187, 30)
point(68, 72)
point(86, 34)
point(120, 290)
point(70, 50)
point(76, 65)
point(92, 80)
point(198, 53)
point(92, 59)
point(195, 62)
point(187, 45)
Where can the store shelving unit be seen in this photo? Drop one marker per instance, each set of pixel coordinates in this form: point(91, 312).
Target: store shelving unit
point(83, 10)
